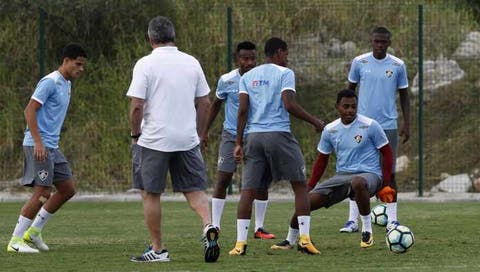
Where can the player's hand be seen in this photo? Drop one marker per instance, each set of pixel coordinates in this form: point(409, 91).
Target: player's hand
point(386, 194)
point(319, 125)
point(405, 133)
point(39, 152)
point(238, 153)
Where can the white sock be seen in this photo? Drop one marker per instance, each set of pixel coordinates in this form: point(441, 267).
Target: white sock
point(242, 229)
point(22, 225)
point(41, 219)
point(217, 211)
point(392, 211)
point(304, 224)
point(292, 235)
point(366, 223)
point(353, 211)
point(260, 210)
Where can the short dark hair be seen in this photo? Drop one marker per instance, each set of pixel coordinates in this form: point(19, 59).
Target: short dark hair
point(161, 30)
point(246, 45)
point(272, 46)
point(382, 30)
point(72, 51)
point(345, 93)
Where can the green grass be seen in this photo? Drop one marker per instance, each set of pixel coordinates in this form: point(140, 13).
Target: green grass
point(100, 236)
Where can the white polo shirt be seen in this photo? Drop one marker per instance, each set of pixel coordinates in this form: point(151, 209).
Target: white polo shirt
point(169, 81)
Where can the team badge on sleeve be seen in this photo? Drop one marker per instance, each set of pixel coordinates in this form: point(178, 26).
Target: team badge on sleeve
point(42, 174)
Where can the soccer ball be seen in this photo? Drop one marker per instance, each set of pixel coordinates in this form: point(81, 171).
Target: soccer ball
point(399, 239)
point(379, 215)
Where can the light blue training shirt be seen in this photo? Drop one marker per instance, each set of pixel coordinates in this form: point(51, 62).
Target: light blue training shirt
point(264, 85)
point(356, 145)
point(227, 90)
point(379, 81)
point(53, 92)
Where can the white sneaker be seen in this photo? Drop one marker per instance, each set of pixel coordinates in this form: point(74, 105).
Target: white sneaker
point(34, 236)
point(391, 225)
point(152, 256)
point(350, 226)
point(17, 245)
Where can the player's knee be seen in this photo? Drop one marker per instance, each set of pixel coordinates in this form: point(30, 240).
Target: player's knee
point(41, 194)
point(358, 184)
point(261, 194)
point(40, 198)
point(43, 198)
point(69, 193)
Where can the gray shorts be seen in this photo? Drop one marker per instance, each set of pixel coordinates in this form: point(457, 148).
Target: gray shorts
point(226, 161)
point(136, 167)
point(338, 187)
point(53, 169)
point(187, 170)
point(271, 156)
point(392, 136)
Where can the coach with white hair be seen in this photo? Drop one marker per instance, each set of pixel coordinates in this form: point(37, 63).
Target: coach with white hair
point(169, 92)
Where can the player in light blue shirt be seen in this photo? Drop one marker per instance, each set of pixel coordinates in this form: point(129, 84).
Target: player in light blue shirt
point(357, 142)
point(227, 91)
point(379, 76)
point(267, 97)
point(265, 86)
point(379, 79)
point(45, 164)
point(356, 145)
point(53, 93)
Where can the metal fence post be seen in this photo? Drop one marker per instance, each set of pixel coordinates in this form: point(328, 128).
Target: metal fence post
point(420, 100)
point(229, 58)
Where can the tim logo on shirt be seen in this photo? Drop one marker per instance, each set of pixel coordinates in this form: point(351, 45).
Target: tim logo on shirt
point(259, 83)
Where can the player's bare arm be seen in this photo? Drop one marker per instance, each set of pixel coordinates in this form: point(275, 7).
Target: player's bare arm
point(39, 150)
point(241, 123)
point(203, 105)
point(136, 115)
point(212, 114)
point(405, 105)
point(291, 105)
point(352, 86)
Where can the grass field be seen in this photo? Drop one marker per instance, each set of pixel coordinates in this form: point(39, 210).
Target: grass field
point(100, 236)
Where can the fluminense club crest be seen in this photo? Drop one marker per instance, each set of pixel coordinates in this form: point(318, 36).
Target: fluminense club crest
point(358, 138)
point(42, 174)
point(389, 73)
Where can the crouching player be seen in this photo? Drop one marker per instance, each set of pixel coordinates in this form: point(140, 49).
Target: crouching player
point(357, 142)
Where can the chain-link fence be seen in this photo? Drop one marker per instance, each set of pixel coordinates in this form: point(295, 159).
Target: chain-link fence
point(323, 38)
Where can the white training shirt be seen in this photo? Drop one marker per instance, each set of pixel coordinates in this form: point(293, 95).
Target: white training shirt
point(169, 81)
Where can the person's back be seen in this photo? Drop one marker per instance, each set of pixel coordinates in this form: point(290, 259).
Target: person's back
point(264, 85)
point(174, 79)
point(267, 97)
point(166, 87)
